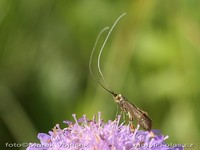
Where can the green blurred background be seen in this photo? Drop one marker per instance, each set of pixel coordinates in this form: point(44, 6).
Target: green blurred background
point(152, 58)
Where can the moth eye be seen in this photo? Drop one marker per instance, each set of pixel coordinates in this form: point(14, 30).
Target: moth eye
point(119, 97)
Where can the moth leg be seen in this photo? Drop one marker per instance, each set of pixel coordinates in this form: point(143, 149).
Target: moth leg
point(116, 116)
point(123, 115)
point(130, 117)
point(132, 127)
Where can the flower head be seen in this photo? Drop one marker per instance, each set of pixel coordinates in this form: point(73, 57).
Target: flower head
point(94, 134)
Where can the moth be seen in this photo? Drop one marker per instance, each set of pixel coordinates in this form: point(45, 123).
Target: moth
point(132, 111)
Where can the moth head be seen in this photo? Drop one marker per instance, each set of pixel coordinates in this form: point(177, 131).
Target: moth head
point(118, 98)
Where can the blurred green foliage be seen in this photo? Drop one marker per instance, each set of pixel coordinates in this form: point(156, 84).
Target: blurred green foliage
point(152, 58)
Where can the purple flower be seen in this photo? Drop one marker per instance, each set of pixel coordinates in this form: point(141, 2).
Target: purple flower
point(96, 135)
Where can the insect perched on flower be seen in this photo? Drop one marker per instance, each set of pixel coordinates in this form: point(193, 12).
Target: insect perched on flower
point(133, 111)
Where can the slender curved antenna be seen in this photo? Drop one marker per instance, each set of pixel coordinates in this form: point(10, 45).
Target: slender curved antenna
point(99, 57)
point(90, 62)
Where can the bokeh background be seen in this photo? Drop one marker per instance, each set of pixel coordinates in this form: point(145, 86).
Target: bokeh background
point(152, 57)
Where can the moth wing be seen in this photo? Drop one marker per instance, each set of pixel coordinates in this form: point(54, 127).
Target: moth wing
point(142, 117)
point(144, 112)
point(131, 106)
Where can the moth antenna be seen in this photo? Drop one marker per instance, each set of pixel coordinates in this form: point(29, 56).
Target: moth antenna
point(91, 56)
point(100, 52)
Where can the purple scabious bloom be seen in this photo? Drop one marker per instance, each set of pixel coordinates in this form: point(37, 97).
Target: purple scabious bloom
point(84, 134)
